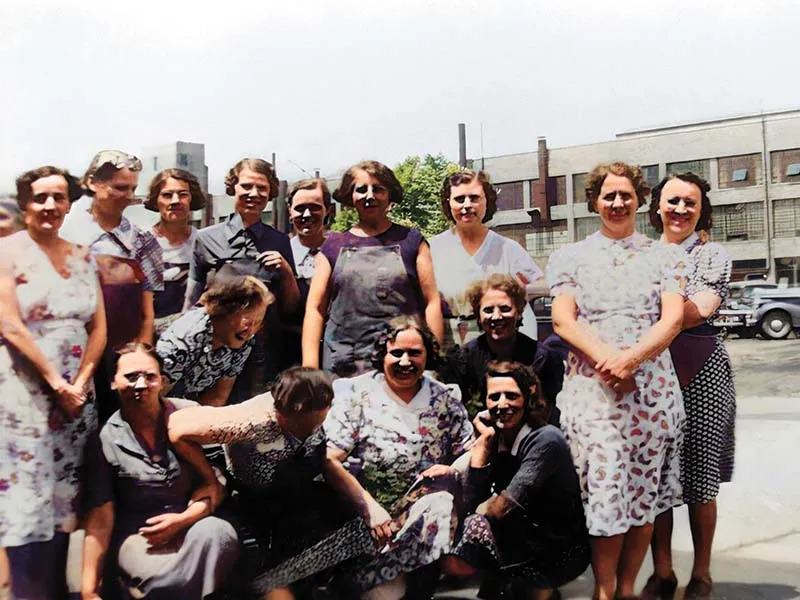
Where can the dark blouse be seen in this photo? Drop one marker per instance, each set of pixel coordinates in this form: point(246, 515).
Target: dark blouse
point(539, 477)
point(139, 483)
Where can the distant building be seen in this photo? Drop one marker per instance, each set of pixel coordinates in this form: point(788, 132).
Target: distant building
point(752, 163)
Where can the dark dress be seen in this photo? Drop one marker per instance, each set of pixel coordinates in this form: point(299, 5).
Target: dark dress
point(466, 366)
point(543, 541)
point(373, 279)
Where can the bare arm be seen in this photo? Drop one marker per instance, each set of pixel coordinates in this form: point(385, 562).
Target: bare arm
point(99, 525)
point(217, 394)
point(579, 335)
point(427, 283)
point(216, 425)
point(316, 306)
point(96, 343)
point(147, 331)
point(698, 308)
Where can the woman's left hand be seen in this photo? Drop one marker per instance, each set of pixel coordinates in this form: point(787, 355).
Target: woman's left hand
point(622, 366)
point(212, 491)
point(162, 528)
point(438, 472)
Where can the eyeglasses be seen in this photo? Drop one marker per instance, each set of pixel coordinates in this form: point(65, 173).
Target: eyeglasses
point(120, 160)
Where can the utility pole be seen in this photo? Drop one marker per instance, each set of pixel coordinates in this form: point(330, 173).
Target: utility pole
point(462, 145)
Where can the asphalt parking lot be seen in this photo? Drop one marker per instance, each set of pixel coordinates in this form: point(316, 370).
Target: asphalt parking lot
point(765, 367)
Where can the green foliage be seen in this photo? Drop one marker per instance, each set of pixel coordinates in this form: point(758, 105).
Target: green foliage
point(421, 179)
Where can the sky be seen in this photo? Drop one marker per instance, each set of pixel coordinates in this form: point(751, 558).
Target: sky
point(327, 83)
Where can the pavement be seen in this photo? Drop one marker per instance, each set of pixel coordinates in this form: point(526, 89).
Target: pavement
point(757, 544)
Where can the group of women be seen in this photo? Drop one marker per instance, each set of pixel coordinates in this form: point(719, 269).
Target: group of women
point(128, 356)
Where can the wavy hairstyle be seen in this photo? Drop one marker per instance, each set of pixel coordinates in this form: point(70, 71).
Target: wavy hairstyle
point(344, 193)
point(632, 173)
point(157, 184)
point(25, 182)
point(310, 184)
point(105, 165)
point(525, 378)
point(502, 282)
point(706, 209)
point(403, 323)
point(468, 176)
point(257, 165)
point(229, 295)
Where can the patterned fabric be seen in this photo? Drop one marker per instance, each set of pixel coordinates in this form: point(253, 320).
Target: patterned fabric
point(125, 241)
point(455, 270)
point(626, 450)
point(42, 452)
point(709, 434)
point(389, 443)
point(710, 397)
point(189, 358)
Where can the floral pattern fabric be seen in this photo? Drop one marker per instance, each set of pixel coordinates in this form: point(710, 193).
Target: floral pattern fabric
point(190, 363)
point(389, 443)
point(42, 451)
point(626, 450)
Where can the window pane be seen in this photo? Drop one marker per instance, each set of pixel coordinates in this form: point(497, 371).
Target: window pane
point(698, 167)
point(579, 187)
point(740, 175)
point(509, 196)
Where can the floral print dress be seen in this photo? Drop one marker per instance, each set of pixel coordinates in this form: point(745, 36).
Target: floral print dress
point(626, 450)
point(389, 443)
point(42, 451)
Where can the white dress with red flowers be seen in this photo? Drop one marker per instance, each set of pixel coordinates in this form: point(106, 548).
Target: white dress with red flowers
point(41, 452)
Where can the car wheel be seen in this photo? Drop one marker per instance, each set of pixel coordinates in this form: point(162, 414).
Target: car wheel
point(776, 325)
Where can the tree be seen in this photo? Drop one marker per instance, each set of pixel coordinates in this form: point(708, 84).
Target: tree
point(421, 179)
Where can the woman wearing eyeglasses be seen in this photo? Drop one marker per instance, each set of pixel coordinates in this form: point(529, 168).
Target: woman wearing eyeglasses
point(129, 260)
point(52, 334)
point(618, 302)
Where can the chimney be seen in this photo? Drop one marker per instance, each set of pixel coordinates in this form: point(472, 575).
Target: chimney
point(462, 145)
point(542, 191)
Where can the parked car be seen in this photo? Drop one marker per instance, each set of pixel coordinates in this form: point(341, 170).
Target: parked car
point(776, 312)
point(542, 308)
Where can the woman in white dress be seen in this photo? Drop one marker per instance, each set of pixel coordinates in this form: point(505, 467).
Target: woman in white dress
point(618, 302)
point(469, 251)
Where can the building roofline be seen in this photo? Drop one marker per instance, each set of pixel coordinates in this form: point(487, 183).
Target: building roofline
point(706, 122)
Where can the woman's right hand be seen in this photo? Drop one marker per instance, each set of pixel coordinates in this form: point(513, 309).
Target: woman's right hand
point(71, 398)
point(380, 524)
point(483, 425)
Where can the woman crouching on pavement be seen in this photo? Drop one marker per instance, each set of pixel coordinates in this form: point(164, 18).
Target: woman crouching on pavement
point(527, 532)
point(276, 452)
point(148, 511)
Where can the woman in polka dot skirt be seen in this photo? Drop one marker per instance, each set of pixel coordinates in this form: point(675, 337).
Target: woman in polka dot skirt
point(681, 209)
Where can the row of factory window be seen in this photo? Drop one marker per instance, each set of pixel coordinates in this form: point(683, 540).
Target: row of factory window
point(733, 172)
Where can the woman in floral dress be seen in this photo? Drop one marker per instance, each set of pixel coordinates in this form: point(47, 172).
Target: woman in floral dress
point(53, 334)
point(618, 302)
point(391, 434)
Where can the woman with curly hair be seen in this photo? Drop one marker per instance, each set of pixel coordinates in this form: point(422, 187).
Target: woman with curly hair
point(366, 276)
point(52, 335)
point(174, 194)
point(392, 432)
point(205, 350)
point(618, 302)
point(469, 251)
point(681, 210)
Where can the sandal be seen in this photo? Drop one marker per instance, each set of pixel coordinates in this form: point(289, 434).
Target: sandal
point(660, 588)
point(698, 588)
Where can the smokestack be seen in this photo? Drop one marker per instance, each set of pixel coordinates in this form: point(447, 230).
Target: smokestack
point(280, 211)
point(462, 145)
point(544, 187)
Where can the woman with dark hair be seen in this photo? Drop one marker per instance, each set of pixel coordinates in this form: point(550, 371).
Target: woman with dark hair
point(149, 527)
point(681, 211)
point(276, 451)
point(618, 302)
point(470, 251)
point(366, 276)
point(205, 350)
point(245, 245)
point(174, 194)
point(498, 303)
point(528, 530)
point(129, 260)
point(52, 335)
point(392, 433)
